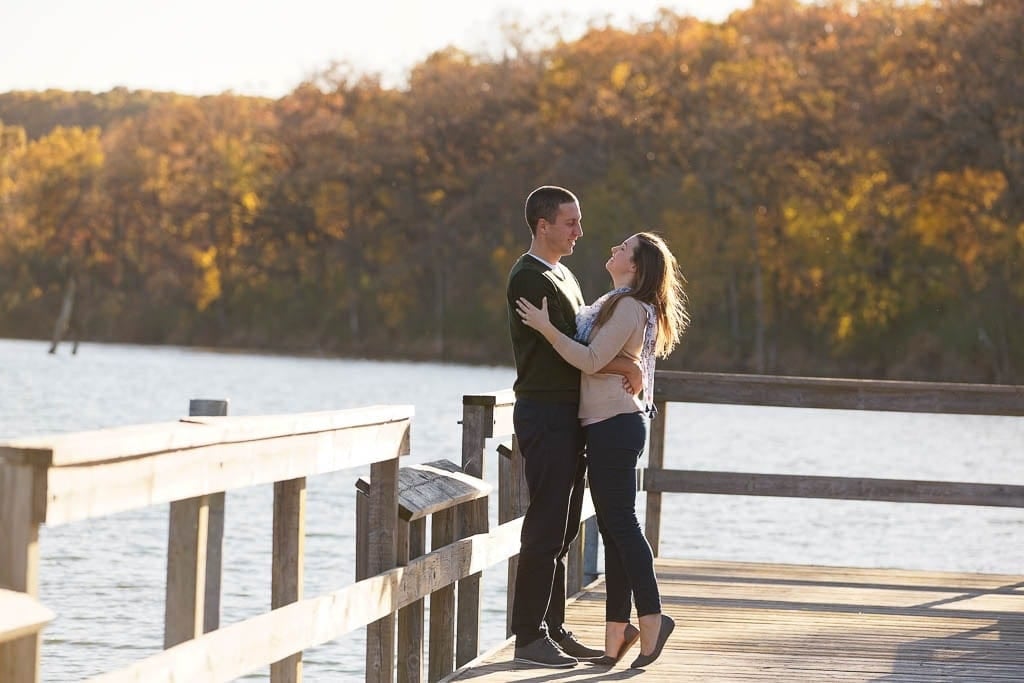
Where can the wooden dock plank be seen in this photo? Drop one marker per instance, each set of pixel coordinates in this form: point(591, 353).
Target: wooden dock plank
point(763, 622)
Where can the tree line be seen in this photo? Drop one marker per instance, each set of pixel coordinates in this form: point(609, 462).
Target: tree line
point(843, 184)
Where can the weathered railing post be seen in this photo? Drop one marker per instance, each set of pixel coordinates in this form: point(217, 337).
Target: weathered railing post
point(513, 498)
point(215, 531)
point(574, 565)
point(442, 602)
point(22, 510)
point(288, 563)
point(477, 426)
point(380, 533)
point(437, 490)
point(591, 537)
point(412, 539)
point(195, 533)
point(62, 478)
point(656, 461)
point(363, 569)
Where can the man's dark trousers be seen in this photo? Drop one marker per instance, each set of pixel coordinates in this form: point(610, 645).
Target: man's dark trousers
point(551, 442)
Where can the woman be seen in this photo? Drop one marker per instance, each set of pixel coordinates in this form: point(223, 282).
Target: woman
point(642, 317)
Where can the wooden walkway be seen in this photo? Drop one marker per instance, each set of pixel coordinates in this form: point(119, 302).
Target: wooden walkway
point(765, 622)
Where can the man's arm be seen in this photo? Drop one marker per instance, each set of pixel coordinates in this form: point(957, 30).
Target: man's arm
point(632, 375)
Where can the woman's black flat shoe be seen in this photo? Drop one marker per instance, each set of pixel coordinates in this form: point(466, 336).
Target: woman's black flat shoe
point(667, 626)
point(632, 634)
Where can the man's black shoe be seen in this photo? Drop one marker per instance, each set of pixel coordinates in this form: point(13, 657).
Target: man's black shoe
point(544, 652)
point(575, 648)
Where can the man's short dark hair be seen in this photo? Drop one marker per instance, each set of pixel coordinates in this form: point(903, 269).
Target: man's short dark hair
point(544, 202)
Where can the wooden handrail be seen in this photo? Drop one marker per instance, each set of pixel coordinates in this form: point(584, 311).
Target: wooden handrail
point(67, 477)
point(61, 478)
point(188, 459)
point(839, 393)
point(833, 488)
point(826, 393)
point(134, 441)
point(435, 490)
point(21, 615)
point(314, 621)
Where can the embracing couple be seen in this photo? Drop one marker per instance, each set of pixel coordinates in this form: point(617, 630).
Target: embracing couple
point(584, 398)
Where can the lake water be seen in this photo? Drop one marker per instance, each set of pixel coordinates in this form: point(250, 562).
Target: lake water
point(105, 577)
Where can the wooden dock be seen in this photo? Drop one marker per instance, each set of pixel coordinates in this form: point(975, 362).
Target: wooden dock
point(767, 622)
point(736, 622)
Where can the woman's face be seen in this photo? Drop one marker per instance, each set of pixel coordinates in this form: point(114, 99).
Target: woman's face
point(621, 266)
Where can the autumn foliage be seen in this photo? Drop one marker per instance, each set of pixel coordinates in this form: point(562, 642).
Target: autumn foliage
point(843, 184)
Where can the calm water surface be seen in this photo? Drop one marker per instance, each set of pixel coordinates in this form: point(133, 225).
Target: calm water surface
point(105, 577)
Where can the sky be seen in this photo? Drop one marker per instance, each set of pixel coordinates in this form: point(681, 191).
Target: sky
point(267, 47)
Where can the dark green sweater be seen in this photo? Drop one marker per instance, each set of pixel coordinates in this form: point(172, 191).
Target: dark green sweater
point(541, 374)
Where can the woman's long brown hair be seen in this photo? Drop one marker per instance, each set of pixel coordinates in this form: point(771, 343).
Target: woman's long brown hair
point(659, 283)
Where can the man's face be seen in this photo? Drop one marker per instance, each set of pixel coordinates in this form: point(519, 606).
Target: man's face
point(560, 235)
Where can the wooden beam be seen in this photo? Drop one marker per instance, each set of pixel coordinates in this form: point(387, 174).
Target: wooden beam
point(513, 499)
point(499, 404)
point(838, 393)
point(655, 461)
point(574, 564)
point(102, 488)
point(288, 563)
point(441, 647)
point(362, 564)
point(504, 397)
point(186, 612)
point(133, 441)
point(838, 488)
point(382, 556)
point(22, 506)
point(411, 545)
point(185, 590)
point(430, 487)
point(477, 426)
point(241, 648)
point(21, 615)
point(591, 542)
point(198, 407)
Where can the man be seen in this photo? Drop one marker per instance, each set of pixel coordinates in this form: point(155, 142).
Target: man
point(548, 431)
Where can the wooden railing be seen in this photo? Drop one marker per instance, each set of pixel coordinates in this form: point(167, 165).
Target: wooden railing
point(807, 392)
point(64, 478)
point(191, 463)
point(456, 498)
point(21, 616)
point(439, 491)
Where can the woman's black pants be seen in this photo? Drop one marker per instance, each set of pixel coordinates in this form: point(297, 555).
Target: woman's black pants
point(614, 447)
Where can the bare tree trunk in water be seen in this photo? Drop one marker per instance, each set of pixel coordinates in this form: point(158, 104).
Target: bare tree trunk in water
point(64, 318)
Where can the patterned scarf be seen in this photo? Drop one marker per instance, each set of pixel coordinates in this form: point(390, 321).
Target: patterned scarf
point(585, 328)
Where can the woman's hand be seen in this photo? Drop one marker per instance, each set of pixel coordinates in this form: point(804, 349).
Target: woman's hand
point(534, 317)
